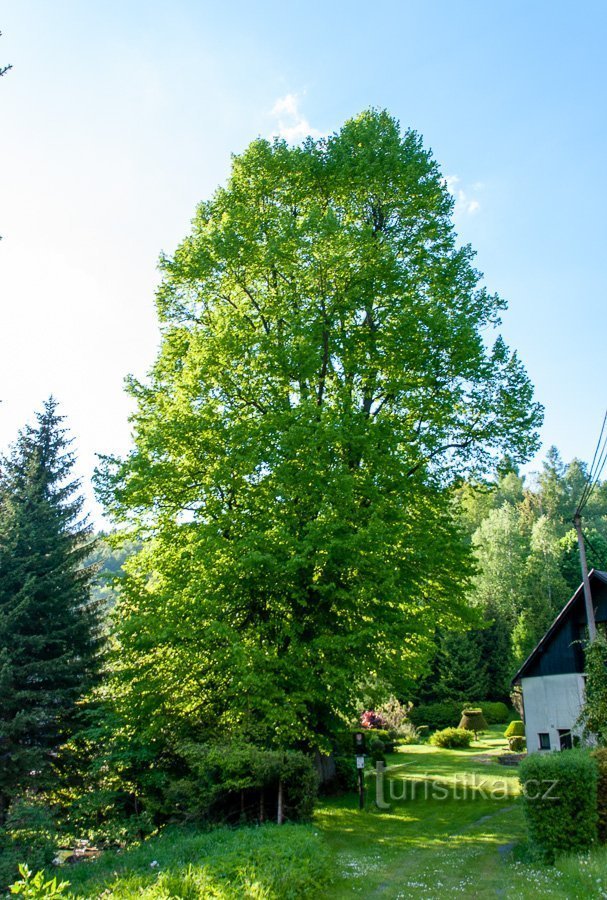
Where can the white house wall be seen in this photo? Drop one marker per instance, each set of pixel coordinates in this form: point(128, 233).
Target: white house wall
point(552, 702)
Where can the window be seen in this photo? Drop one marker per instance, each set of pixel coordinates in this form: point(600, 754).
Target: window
point(544, 740)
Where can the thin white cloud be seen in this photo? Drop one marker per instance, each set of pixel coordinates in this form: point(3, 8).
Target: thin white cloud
point(291, 123)
point(465, 201)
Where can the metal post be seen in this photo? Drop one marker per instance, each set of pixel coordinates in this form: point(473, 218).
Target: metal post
point(577, 521)
point(361, 789)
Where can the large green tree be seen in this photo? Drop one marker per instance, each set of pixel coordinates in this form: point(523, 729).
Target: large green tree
point(324, 375)
point(49, 638)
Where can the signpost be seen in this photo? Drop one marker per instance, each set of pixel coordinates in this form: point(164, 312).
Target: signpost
point(360, 750)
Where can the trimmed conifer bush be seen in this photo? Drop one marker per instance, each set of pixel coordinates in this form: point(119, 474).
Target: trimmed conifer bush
point(516, 728)
point(473, 720)
point(451, 738)
point(517, 744)
point(448, 713)
point(560, 802)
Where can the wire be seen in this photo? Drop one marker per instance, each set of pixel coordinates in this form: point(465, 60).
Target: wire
point(596, 468)
point(593, 548)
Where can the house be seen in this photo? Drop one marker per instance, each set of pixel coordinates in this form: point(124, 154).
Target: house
point(552, 677)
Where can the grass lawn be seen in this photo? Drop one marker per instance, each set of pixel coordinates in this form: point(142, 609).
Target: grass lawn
point(455, 833)
point(453, 827)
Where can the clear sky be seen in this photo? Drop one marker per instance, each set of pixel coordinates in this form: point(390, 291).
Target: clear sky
point(118, 117)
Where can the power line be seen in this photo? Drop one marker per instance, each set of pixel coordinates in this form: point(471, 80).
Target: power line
point(596, 468)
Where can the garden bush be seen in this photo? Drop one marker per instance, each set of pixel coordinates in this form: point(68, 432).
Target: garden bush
point(436, 715)
point(239, 782)
point(451, 738)
point(560, 802)
point(600, 757)
point(517, 744)
point(448, 713)
point(29, 836)
point(496, 713)
point(377, 750)
point(473, 720)
point(515, 729)
point(408, 734)
point(346, 777)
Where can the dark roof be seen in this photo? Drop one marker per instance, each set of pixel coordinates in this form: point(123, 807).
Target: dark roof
point(594, 576)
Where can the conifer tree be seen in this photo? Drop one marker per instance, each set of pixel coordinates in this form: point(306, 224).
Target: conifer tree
point(49, 635)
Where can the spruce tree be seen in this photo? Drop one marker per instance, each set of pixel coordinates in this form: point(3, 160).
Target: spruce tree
point(49, 635)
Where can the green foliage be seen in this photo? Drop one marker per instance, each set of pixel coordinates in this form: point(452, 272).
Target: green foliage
point(473, 720)
point(395, 716)
point(36, 887)
point(387, 738)
point(377, 750)
point(600, 756)
point(346, 777)
point(325, 372)
point(448, 713)
point(516, 728)
point(436, 715)
point(451, 738)
point(108, 562)
point(495, 713)
point(517, 744)
point(560, 802)
point(29, 836)
point(49, 638)
point(408, 734)
point(593, 717)
point(289, 862)
point(236, 783)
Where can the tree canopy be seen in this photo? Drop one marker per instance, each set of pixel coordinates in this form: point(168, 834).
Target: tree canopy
point(49, 637)
point(324, 375)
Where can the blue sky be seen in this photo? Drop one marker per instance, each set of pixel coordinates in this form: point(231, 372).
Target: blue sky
point(118, 117)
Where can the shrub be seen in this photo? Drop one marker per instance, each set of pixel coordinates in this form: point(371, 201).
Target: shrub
point(560, 802)
point(29, 836)
point(377, 749)
point(239, 782)
point(36, 887)
point(600, 757)
point(496, 713)
point(372, 719)
point(515, 729)
point(408, 734)
point(517, 744)
point(395, 716)
point(346, 777)
point(436, 715)
point(382, 735)
point(473, 720)
point(448, 713)
point(451, 738)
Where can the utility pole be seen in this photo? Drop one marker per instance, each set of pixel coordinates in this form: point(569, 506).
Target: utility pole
point(577, 521)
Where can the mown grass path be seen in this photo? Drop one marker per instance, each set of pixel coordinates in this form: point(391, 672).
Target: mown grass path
point(451, 834)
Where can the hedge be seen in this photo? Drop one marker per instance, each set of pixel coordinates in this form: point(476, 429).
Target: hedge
point(560, 802)
point(600, 756)
point(449, 712)
point(343, 742)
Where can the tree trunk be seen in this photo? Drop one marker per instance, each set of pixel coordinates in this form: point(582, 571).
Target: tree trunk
point(279, 813)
